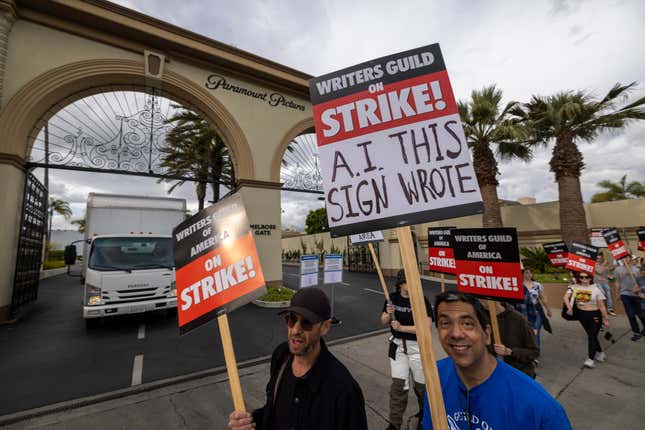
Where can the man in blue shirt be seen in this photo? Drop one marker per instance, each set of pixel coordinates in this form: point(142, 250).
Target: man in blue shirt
point(480, 391)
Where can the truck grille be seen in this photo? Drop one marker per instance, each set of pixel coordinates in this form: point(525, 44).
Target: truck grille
point(134, 295)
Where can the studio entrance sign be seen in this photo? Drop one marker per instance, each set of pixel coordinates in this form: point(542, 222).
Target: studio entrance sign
point(392, 148)
point(274, 99)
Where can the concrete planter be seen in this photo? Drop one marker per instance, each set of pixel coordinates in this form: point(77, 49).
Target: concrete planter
point(272, 305)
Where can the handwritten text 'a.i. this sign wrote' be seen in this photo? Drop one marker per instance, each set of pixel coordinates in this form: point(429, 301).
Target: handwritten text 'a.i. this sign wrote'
point(392, 147)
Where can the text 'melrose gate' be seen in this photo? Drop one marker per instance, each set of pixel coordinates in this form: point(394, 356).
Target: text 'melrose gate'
point(488, 263)
point(217, 265)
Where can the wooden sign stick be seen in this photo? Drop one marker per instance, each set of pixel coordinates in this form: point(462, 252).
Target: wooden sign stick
point(231, 364)
point(443, 283)
point(380, 273)
point(492, 310)
point(424, 337)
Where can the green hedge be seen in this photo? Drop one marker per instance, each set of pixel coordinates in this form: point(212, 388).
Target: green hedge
point(53, 264)
point(56, 254)
point(277, 294)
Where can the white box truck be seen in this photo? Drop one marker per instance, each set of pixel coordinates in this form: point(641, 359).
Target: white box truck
point(128, 262)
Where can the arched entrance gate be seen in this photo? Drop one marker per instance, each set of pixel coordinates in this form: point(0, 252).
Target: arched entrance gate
point(52, 54)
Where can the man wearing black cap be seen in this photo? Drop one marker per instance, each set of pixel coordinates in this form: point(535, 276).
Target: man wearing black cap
point(308, 387)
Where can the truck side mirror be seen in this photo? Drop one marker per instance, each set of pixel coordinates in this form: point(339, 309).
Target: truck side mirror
point(70, 254)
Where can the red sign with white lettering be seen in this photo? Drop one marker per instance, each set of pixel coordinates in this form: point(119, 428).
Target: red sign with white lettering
point(615, 244)
point(441, 257)
point(582, 258)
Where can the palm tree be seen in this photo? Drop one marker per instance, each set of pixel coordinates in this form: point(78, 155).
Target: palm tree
point(194, 149)
point(618, 190)
point(80, 223)
point(568, 118)
point(490, 130)
point(61, 207)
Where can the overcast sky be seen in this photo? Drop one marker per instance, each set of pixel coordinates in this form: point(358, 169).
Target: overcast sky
point(526, 48)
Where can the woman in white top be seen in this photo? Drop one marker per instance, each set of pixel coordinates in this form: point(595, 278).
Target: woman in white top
point(590, 301)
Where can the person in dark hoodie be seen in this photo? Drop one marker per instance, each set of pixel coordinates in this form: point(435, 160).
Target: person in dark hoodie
point(518, 348)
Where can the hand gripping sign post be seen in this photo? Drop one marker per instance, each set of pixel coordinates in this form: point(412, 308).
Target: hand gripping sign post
point(218, 270)
point(488, 265)
point(557, 253)
point(582, 258)
point(441, 257)
point(393, 154)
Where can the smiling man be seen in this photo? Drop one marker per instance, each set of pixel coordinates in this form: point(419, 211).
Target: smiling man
point(308, 387)
point(479, 390)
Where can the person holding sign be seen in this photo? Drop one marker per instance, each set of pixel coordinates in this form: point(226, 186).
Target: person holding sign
point(601, 276)
point(479, 390)
point(404, 351)
point(308, 387)
point(630, 295)
point(592, 313)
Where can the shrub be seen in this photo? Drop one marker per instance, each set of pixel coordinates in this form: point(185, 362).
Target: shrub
point(53, 264)
point(277, 294)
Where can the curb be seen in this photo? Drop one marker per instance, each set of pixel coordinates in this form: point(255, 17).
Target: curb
point(150, 386)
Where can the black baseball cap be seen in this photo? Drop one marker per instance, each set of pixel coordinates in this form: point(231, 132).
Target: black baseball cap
point(311, 303)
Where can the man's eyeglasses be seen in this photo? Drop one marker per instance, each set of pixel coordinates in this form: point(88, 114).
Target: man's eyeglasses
point(291, 318)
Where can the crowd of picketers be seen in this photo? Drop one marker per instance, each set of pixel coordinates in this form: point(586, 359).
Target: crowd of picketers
point(484, 384)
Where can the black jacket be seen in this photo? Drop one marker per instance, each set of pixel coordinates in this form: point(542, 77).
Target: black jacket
point(333, 399)
point(518, 335)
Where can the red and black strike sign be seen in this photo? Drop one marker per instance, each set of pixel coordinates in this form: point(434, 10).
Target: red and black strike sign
point(640, 232)
point(615, 244)
point(441, 257)
point(488, 263)
point(582, 258)
point(218, 268)
point(557, 253)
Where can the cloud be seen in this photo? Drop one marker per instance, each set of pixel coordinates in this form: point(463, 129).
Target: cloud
point(526, 48)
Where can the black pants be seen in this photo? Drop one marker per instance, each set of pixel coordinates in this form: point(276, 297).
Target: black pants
point(591, 321)
point(633, 310)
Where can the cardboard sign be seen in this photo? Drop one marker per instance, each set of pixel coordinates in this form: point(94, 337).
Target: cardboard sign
point(615, 244)
point(596, 237)
point(392, 148)
point(333, 268)
point(582, 258)
point(640, 232)
point(441, 257)
point(488, 263)
point(557, 253)
point(218, 268)
point(308, 270)
point(369, 237)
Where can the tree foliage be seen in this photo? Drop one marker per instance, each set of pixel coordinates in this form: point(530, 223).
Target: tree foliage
point(316, 221)
point(535, 259)
point(620, 190)
point(195, 149)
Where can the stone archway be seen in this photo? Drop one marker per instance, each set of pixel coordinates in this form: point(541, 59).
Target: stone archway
point(29, 107)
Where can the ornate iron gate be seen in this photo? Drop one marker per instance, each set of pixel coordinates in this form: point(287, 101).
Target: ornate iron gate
point(359, 259)
point(30, 244)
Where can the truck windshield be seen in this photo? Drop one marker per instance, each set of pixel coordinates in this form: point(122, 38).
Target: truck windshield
point(131, 253)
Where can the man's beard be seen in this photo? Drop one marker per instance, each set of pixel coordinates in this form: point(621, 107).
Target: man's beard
point(307, 347)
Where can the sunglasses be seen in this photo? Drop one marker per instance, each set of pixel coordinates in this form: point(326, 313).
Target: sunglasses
point(584, 277)
point(291, 319)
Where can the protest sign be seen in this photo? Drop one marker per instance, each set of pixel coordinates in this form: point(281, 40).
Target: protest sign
point(308, 270)
point(368, 237)
point(615, 244)
point(596, 237)
point(333, 269)
point(441, 257)
point(640, 232)
point(557, 253)
point(582, 258)
point(392, 148)
point(217, 265)
point(217, 270)
point(488, 263)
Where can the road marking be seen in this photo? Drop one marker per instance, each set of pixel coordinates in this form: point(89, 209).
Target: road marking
point(374, 291)
point(346, 283)
point(137, 370)
point(142, 332)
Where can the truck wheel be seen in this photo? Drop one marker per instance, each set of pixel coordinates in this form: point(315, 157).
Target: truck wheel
point(92, 323)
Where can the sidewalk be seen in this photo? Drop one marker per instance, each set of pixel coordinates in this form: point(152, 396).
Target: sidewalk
point(607, 397)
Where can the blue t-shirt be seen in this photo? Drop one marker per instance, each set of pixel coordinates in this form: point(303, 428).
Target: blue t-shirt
point(507, 400)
